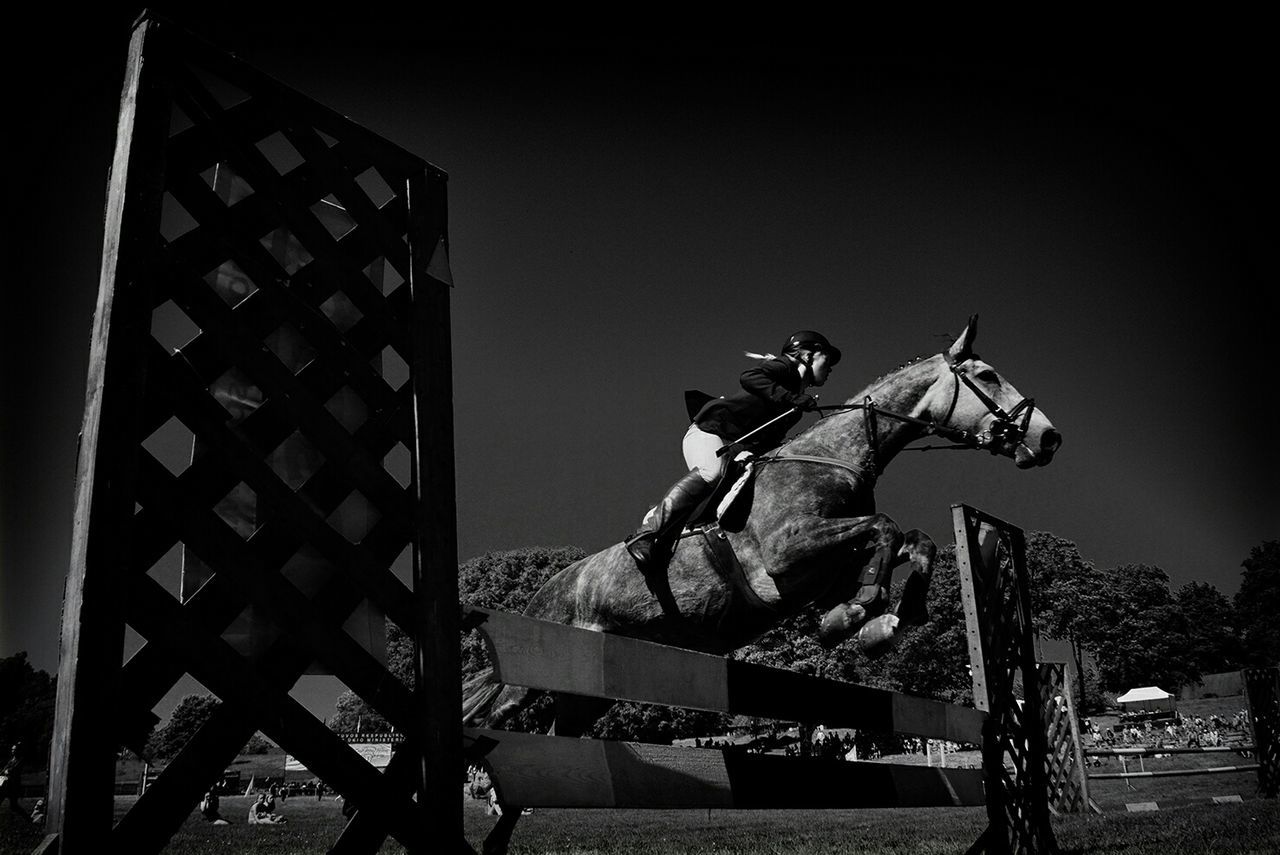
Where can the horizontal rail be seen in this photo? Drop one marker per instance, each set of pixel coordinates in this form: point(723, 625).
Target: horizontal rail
point(545, 655)
point(1147, 752)
point(1169, 773)
point(530, 770)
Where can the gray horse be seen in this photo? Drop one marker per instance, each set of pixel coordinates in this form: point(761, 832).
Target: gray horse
point(811, 536)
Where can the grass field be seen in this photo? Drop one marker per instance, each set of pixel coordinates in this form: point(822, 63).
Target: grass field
point(1252, 827)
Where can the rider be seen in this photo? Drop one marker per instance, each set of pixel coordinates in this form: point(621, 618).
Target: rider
point(775, 387)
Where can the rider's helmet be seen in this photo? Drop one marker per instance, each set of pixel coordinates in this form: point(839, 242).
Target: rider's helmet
point(811, 340)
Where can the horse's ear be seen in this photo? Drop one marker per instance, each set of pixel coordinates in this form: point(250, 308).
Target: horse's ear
point(963, 347)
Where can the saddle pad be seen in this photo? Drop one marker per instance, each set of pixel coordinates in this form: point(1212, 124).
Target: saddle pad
point(736, 505)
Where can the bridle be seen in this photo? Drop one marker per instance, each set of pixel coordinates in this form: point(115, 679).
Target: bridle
point(1007, 428)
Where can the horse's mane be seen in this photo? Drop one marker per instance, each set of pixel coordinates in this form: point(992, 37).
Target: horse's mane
point(885, 376)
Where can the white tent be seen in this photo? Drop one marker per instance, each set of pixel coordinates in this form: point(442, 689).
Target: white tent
point(1146, 698)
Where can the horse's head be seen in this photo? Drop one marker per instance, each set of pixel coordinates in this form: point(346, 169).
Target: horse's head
point(973, 397)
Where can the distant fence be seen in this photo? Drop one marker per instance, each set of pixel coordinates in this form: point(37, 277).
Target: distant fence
point(1124, 753)
point(1263, 698)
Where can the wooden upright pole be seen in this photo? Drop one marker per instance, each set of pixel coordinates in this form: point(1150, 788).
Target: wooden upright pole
point(437, 660)
point(82, 761)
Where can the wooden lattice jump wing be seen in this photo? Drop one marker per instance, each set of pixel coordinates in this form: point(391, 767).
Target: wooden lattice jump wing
point(304, 260)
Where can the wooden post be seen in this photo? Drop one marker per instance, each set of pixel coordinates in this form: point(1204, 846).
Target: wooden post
point(83, 753)
point(1262, 691)
point(997, 601)
point(131, 509)
point(437, 660)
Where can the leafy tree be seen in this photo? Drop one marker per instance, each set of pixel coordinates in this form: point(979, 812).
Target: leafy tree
point(1067, 595)
point(792, 644)
point(506, 581)
point(26, 708)
point(1211, 627)
point(1142, 637)
point(656, 723)
point(188, 716)
point(351, 714)
point(1258, 602)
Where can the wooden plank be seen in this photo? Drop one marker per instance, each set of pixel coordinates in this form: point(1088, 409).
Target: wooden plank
point(545, 655)
point(530, 770)
point(966, 550)
point(1148, 752)
point(84, 747)
point(1170, 773)
point(437, 630)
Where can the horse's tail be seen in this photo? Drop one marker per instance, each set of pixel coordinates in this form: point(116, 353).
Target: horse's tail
point(478, 694)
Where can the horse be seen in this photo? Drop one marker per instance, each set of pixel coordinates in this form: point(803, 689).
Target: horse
point(812, 534)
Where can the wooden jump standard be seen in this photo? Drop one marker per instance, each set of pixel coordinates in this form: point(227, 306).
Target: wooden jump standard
point(531, 770)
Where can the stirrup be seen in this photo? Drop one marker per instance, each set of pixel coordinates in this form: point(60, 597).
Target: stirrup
point(648, 560)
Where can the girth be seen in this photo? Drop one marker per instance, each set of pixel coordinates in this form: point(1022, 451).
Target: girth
point(746, 612)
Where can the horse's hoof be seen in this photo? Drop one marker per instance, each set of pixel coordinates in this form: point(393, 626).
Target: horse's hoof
point(879, 636)
point(839, 623)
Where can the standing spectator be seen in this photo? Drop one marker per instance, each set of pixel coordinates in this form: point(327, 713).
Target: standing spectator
point(11, 781)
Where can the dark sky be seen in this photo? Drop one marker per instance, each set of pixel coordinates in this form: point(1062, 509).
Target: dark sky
point(628, 215)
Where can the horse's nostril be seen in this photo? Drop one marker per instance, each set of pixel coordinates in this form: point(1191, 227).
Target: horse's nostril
point(1050, 440)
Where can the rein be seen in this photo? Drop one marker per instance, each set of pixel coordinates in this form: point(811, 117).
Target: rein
point(1006, 426)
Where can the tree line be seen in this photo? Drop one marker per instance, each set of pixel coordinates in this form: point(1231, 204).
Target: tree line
point(1125, 626)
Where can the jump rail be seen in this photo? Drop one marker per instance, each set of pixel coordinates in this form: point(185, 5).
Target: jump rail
point(1148, 752)
point(1169, 773)
point(547, 771)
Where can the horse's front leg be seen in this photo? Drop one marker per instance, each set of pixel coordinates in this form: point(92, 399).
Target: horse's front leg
point(812, 555)
point(858, 604)
point(918, 549)
point(864, 618)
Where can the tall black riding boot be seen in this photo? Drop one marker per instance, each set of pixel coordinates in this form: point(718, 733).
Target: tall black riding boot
point(652, 546)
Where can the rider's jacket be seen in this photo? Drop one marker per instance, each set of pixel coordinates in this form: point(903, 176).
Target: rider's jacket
point(768, 390)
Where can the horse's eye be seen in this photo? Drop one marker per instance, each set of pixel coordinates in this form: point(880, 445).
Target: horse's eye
point(987, 375)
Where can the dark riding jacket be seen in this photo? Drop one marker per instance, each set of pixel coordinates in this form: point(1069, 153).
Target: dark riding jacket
point(768, 390)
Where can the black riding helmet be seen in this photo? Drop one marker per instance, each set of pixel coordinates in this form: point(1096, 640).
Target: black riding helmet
point(811, 340)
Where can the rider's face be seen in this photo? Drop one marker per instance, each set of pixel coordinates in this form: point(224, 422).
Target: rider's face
point(819, 368)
